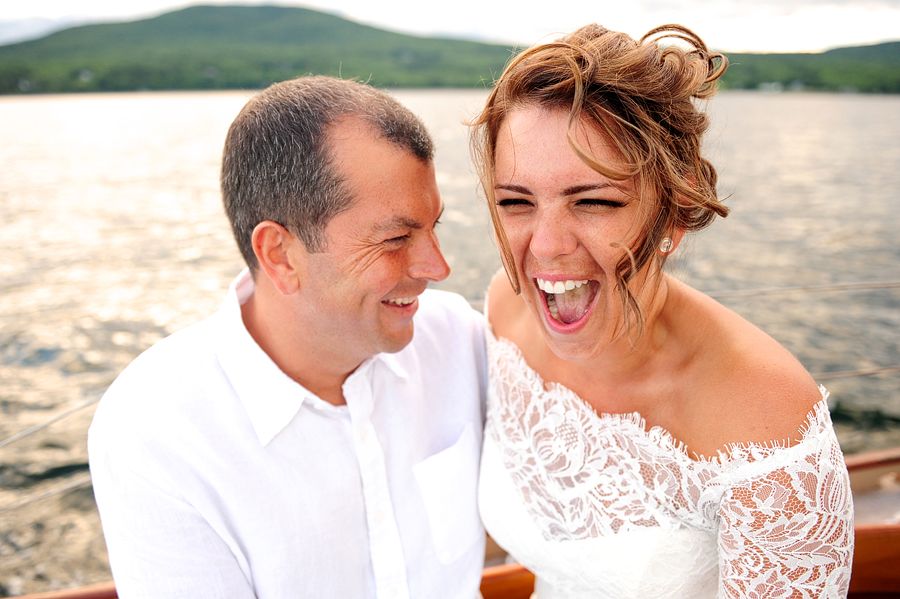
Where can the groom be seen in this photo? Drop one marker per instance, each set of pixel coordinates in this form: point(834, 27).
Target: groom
point(303, 441)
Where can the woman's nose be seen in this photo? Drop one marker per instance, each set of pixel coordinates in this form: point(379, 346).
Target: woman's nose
point(552, 236)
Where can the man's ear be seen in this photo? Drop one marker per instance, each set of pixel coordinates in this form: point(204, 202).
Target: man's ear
point(280, 255)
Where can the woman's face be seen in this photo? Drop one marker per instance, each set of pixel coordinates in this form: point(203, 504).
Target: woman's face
point(567, 226)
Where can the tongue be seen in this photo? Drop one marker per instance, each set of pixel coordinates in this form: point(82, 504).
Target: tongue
point(573, 304)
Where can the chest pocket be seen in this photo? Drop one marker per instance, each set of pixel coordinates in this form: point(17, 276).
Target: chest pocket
point(448, 482)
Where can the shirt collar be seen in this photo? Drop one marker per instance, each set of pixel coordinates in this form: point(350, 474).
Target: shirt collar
point(270, 397)
point(390, 361)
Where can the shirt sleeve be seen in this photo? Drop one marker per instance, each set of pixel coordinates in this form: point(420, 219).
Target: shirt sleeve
point(158, 544)
point(788, 532)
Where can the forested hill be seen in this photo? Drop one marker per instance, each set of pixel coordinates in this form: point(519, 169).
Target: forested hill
point(244, 47)
point(227, 47)
point(864, 68)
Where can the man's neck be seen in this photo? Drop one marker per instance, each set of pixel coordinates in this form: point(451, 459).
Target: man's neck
point(278, 332)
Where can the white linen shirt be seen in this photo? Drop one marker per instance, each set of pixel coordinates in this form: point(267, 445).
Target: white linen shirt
point(217, 475)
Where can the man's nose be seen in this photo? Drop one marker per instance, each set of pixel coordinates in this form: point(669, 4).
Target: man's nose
point(428, 262)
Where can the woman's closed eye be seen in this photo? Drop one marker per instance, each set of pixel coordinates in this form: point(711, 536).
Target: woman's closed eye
point(513, 202)
point(599, 202)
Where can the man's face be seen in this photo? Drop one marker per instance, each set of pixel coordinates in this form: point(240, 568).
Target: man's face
point(380, 253)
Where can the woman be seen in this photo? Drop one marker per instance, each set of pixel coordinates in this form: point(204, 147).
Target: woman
point(642, 440)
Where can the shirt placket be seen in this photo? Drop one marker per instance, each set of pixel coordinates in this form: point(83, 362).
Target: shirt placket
point(386, 551)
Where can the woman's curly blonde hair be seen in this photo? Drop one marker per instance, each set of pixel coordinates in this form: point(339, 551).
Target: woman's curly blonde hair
point(640, 94)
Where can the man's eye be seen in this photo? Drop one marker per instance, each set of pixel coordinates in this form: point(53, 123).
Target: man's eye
point(398, 239)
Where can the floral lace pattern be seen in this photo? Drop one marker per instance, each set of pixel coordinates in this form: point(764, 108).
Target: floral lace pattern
point(782, 515)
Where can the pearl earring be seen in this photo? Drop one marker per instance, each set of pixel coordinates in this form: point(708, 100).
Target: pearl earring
point(666, 246)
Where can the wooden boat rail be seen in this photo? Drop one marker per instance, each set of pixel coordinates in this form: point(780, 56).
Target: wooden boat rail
point(506, 581)
point(102, 590)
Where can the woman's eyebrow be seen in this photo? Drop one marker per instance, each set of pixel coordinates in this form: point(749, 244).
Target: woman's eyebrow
point(576, 189)
point(569, 191)
point(514, 188)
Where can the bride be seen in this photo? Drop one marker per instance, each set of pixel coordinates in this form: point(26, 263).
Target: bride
point(642, 440)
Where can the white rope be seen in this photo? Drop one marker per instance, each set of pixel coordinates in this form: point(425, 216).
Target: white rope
point(78, 482)
point(47, 423)
point(825, 376)
point(835, 287)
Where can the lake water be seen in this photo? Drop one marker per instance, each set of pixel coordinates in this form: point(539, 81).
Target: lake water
point(112, 232)
point(112, 236)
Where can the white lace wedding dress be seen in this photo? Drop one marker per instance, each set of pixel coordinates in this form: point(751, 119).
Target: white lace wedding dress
point(598, 506)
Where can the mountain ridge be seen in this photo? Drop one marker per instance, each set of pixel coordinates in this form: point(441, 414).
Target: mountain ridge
point(241, 47)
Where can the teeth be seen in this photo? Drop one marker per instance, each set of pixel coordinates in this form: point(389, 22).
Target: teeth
point(401, 301)
point(559, 286)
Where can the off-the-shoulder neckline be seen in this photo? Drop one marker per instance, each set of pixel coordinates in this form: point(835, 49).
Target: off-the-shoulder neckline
point(817, 420)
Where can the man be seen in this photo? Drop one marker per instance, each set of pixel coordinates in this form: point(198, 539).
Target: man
point(302, 442)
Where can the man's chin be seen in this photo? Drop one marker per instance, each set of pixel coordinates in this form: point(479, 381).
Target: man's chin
point(398, 341)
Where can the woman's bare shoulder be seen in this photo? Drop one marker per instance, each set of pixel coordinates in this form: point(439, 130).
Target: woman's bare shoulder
point(506, 310)
point(769, 392)
point(750, 388)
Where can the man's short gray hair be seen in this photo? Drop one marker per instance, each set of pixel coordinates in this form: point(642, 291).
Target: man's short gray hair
point(277, 165)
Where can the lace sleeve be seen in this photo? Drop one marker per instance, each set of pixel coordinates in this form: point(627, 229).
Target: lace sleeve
point(788, 532)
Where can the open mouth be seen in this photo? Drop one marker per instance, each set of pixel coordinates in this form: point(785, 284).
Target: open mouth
point(568, 301)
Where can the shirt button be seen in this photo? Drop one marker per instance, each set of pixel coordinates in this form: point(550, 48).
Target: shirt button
point(392, 593)
point(379, 516)
point(363, 433)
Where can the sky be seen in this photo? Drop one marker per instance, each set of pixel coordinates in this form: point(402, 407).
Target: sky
point(726, 25)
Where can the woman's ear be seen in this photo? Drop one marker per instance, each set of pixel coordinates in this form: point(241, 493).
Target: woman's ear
point(676, 235)
point(281, 256)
